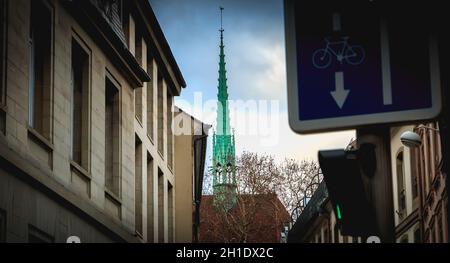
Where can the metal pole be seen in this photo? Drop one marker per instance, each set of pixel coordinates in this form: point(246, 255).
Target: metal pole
point(379, 185)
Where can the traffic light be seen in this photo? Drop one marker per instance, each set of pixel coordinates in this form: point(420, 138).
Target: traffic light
point(342, 174)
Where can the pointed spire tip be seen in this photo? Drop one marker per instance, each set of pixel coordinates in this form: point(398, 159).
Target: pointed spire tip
point(221, 14)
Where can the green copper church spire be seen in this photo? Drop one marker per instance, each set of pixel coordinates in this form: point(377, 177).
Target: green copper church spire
point(224, 172)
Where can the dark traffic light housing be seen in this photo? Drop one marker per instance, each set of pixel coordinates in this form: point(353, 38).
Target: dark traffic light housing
point(342, 172)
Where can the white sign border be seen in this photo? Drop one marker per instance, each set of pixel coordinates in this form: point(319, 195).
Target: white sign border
point(351, 122)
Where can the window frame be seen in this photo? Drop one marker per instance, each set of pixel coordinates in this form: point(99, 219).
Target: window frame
point(4, 52)
point(401, 193)
point(3, 226)
point(85, 165)
point(139, 186)
point(116, 84)
point(45, 137)
point(170, 141)
point(152, 70)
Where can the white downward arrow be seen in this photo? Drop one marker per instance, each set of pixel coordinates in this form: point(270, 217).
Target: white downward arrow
point(340, 94)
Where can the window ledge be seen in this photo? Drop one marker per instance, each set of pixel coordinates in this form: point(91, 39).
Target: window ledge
point(113, 196)
point(80, 169)
point(35, 135)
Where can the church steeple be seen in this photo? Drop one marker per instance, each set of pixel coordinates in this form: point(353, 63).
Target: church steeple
point(224, 172)
point(223, 120)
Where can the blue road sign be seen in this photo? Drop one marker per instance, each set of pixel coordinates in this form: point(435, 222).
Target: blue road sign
point(350, 68)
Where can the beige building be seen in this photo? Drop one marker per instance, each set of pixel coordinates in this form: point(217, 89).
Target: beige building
point(405, 189)
point(86, 147)
point(191, 137)
point(419, 195)
point(420, 199)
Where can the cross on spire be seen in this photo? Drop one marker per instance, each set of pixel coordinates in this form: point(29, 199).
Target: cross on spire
point(221, 19)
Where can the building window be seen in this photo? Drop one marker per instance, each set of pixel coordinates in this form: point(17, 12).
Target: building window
point(430, 157)
point(2, 226)
point(161, 206)
point(3, 44)
point(160, 121)
point(80, 105)
point(417, 235)
point(169, 130)
point(112, 137)
point(150, 199)
point(401, 195)
point(445, 216)
point(437, 145)
point(153, 72)
point(36, 235)
point(415, 171)
point(138, 190)
point(336, 233)
point(170, 212)
point(138, 90)
point(40, 68)
point(423, 169)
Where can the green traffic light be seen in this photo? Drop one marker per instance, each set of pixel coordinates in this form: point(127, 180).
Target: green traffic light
point(338, 211)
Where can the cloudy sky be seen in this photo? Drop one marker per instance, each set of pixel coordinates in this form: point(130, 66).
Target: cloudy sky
point(255, 57)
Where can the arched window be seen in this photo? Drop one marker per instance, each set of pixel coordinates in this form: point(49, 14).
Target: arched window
point(401, 192)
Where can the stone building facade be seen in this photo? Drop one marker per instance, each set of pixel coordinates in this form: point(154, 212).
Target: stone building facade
point(420, 198)
point(86, 145)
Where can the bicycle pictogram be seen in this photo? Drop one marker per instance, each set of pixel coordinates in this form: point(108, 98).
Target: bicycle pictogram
point(341, 50)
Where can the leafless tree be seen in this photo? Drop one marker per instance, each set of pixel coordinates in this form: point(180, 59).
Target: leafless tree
point(298, 183)
point(261, 185)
